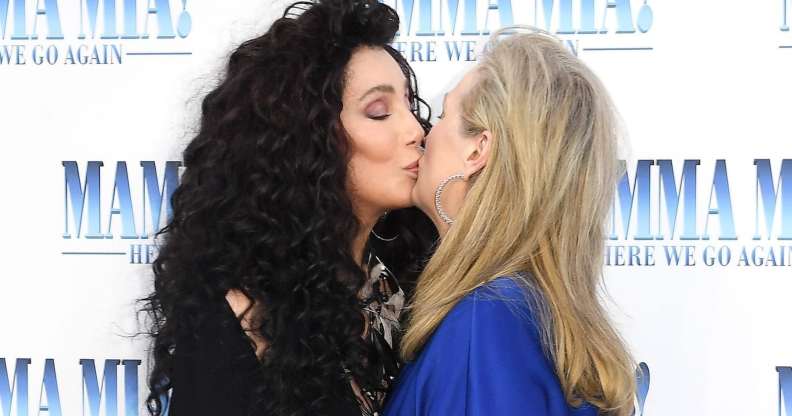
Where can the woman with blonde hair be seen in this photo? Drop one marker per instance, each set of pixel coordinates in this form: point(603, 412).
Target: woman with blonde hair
point(518, 176)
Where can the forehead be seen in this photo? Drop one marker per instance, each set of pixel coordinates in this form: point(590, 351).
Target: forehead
point(369, 67)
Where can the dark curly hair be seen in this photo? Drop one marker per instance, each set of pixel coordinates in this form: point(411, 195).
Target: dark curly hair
point(263, 208)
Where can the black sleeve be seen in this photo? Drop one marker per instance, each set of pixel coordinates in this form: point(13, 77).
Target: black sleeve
point(214, 370)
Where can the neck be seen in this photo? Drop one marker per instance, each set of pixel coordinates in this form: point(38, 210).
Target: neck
point(452, 200)
point(441, 226)
point(367, 218)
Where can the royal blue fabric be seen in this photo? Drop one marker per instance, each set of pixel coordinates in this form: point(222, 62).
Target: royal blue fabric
point(485, 358)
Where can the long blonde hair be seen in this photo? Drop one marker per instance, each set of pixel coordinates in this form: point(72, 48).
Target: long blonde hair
point(539, 206)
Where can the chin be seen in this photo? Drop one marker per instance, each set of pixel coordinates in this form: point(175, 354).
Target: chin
point(402, 203)
point(414, 200)
point(420, 197)
point(398, 198)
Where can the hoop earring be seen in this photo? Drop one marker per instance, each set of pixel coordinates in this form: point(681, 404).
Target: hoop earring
point(438, 206)
point(378, 237)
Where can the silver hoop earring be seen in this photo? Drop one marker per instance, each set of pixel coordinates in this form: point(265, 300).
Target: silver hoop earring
point(438, 205)
point(387, 240)
point(378, 237)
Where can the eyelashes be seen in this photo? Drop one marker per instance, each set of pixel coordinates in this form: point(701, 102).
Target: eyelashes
point(411, 105)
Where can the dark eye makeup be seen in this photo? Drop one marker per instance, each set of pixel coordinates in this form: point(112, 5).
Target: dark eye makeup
point(378, 110)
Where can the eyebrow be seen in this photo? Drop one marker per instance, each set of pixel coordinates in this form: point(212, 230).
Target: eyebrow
point(386, 88)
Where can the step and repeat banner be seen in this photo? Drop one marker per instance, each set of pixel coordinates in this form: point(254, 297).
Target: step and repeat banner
point(99, 97)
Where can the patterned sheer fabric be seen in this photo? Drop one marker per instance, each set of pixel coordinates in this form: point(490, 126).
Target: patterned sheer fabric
point(382, 300)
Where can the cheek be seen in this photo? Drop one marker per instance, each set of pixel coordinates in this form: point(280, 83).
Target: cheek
point(431, 172)
point(370, 169)
point(372, 155)
point(438, 158)
point(375, 171)
point(370, 142)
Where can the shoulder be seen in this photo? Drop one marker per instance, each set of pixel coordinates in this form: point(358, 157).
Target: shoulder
point(240, 304)
point(487, 357)
point(504, 288)
point(507, 298)
point(244, 310)
point(501, 314)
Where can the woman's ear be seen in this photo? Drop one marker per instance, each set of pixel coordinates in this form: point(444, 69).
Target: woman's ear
point(478, 153)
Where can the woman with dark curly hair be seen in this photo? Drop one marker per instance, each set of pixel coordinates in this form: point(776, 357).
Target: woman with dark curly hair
point(268, 298)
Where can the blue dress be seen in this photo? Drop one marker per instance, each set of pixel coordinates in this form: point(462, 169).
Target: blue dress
point(485, 358)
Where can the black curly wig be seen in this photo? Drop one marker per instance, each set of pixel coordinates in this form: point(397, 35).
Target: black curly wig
point(263, 208)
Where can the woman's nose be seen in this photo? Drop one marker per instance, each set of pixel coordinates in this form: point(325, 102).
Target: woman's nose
point(415, 133)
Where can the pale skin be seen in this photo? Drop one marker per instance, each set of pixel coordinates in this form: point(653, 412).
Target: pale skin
point(384, 137)
point(449, 152)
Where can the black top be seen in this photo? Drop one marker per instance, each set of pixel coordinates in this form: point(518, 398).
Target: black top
point(215, 371)
point(216, 367)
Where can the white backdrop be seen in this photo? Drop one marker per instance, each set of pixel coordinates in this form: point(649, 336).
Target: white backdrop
point(705, 80)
